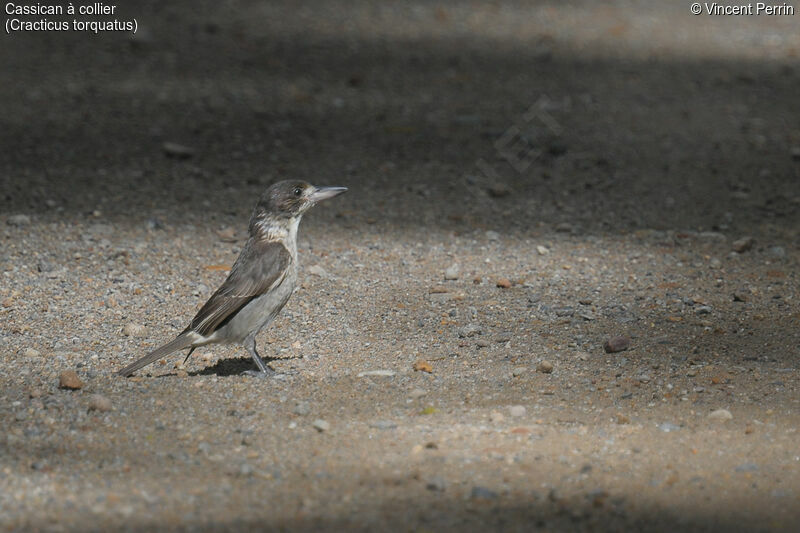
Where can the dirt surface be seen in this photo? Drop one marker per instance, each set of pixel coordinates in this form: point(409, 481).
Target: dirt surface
point(583, 172)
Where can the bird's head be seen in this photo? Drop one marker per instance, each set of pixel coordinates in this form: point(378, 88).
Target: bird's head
point(292, 198)
point(287, 200)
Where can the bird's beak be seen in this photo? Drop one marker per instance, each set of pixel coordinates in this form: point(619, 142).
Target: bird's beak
point(323, 193)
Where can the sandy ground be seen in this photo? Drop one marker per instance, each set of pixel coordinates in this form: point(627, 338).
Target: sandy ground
point(582, 172)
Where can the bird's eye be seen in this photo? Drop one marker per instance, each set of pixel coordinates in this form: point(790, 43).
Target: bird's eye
point(298, 191)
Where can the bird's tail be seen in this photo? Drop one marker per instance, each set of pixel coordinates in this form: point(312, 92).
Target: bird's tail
point(182, 341)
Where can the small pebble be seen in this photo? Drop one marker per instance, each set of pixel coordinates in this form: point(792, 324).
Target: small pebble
point(377, 373)
point(302, 408)
point(318, 271)
point(470, 330)
point(545, 367)
point(482, 493)
point(227, 234)
point(503, 337)
point(18, 220)
point(417, 393)
point(499, 190)
point(321, 425)
point(744, 244)
point(436, 484)
point(383, 424)
point(492, 235)
point(451, 273)
point(482, 343)
point(617, 344)
point(564, 227)
point(777, 251)
point(722, 415)
point(31, 353)
point(98, 402)
point(504, 283)
point(517, 411)
point(178, 151)
point(712, 236)
point(703, 310)
point(421, 365)
point(541, 250)
point(132, 329)
point(740, 296)
point(518, 371)
point(69, 380)
point(668, 427)
point(154, 223)
point(35, 393)
point(496, 417)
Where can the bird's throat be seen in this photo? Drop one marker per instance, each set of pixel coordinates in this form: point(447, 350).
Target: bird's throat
point(284, 230)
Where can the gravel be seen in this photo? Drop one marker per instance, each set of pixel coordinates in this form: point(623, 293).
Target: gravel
point(653, 140)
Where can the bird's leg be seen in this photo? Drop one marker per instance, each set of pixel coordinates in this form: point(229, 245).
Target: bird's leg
point(263, 370)
point(189, 354)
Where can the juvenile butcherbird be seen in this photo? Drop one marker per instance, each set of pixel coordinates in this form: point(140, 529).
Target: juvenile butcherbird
point(260, 282)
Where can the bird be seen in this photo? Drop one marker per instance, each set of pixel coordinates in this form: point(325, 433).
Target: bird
point(260, 282)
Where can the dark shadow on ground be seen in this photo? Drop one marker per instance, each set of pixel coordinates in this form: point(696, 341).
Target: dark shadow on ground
point(227, 367)
point(233, 366)
point(603, 144)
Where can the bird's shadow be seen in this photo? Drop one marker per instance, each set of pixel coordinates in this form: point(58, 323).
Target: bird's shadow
point(234, 366)
point(227, 367)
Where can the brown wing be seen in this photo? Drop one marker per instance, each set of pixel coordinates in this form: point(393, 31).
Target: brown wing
point(260, 266)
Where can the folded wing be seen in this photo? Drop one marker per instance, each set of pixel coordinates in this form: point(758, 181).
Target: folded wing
point(261, 266)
